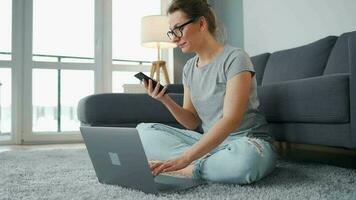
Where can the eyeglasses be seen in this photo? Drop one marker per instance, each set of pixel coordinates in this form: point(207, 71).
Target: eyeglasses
point(177, 31)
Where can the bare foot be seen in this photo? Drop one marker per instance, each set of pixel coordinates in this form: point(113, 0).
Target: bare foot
point(187, 171)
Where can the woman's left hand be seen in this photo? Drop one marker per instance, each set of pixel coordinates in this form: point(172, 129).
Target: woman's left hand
point(178, 163)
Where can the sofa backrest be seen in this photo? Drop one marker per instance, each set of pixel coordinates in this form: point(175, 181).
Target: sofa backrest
point(300, 62)
point(259, 63)
point(339, 60)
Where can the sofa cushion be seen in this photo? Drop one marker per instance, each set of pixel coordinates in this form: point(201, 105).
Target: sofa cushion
point(297, 63)
point(323, 99)
point(339, 60)
point(259, 64)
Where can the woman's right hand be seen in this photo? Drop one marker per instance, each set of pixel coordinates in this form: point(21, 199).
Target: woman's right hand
point(154, 92)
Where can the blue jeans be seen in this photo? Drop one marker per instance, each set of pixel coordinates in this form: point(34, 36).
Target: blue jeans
point(238, 160)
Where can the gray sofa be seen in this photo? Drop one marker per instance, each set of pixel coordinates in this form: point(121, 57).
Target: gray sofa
point(308, 95)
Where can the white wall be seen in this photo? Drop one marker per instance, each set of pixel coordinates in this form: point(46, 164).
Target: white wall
point(274, 25)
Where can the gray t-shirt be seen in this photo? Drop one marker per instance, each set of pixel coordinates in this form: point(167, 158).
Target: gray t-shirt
point(207, 85)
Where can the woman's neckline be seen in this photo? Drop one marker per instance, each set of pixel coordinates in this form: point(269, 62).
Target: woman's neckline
point(211, 61)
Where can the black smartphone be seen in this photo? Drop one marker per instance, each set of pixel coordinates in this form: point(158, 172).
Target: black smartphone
point(142, 77)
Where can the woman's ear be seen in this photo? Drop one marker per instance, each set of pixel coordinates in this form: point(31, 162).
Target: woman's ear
point(203, 24)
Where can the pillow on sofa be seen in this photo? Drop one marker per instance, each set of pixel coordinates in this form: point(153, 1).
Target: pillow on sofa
point(259, 64)
point(300, 62)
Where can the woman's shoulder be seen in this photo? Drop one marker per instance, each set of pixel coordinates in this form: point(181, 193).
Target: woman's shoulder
point(235, 52)
point(236, 58)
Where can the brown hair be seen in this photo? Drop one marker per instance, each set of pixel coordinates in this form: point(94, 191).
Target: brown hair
point(195, 9)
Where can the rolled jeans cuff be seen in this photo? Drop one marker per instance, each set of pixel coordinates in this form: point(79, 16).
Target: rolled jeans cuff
point(197, 165)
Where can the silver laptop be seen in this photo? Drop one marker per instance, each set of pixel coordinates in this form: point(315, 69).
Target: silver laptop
point(118, 158)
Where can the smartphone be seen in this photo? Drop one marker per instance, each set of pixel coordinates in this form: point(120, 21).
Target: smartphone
point(142, 77)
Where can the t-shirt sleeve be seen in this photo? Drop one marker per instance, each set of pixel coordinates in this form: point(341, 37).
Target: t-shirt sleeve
point(186, 75)
point(239, 61)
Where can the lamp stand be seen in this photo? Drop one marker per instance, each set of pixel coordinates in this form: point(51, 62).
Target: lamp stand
point(157, 65)
point(156, 68)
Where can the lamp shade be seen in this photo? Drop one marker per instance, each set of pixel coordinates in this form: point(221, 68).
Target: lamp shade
point(154, 32)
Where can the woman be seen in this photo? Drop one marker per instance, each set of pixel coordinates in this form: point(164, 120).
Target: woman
point(220, 95)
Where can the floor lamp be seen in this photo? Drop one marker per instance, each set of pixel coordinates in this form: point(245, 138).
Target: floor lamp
point(154, 35)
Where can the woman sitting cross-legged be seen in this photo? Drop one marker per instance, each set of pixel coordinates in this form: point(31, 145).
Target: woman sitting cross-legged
point(220, 95)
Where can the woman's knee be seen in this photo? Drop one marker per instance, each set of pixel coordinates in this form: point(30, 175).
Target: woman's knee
point(145, 131)
point(257, 162)
point(149, 141)
point(233, 172)
point(229, 165)
point(159, 141)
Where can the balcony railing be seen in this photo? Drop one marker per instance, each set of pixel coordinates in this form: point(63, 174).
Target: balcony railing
point(59, 58)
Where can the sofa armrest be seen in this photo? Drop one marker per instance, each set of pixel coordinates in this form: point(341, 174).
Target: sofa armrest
point(118, 108)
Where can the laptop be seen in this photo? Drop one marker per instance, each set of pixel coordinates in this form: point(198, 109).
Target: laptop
point(118, 158)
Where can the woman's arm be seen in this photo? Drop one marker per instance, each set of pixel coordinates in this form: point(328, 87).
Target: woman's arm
point(187, 115)
point(235, 102)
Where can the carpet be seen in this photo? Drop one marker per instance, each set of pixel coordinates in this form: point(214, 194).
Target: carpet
point(68, 174)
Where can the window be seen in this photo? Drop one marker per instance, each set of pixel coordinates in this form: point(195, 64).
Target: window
point(63, 28)
point(76, 84)
point(5, 69)
point(5, 101)
point(63, 51)
point(44, 109)
point(56, 111)
point(126, 40)
point(5, 33)
point(126, 26)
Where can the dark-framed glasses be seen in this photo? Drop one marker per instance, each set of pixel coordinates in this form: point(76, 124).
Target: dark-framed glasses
point(178, 31)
